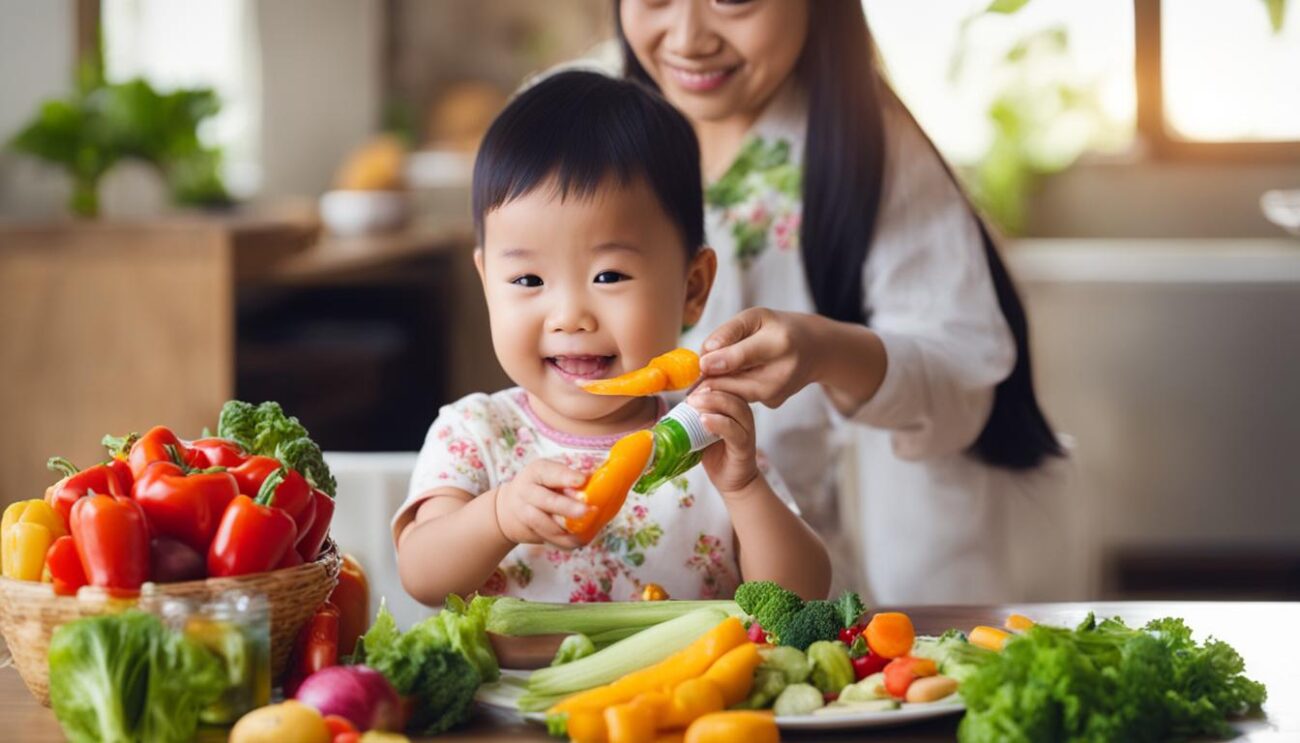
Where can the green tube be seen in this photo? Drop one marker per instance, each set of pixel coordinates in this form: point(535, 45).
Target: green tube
point(679, 441)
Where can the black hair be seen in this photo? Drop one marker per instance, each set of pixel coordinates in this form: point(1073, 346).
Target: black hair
point(581, 128)
point(844, 164)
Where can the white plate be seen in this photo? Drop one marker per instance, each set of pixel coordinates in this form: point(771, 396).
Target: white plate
point(505, 694)
point(904, 715)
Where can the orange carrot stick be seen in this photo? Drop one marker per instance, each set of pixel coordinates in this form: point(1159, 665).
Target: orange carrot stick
point(607, 487)
point(675, 370)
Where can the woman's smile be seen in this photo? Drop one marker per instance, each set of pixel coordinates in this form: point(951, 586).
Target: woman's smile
point(700, 81)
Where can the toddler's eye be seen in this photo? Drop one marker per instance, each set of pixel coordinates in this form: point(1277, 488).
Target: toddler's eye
point(610, 277)
point(530, 281)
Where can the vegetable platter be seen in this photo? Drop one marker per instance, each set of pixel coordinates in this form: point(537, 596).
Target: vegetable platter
point(162, 517)
point(644, 669)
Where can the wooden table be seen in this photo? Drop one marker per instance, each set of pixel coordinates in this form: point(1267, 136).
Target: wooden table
point(1262, 632)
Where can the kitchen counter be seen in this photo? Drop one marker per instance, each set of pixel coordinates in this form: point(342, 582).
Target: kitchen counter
point(1262, 632)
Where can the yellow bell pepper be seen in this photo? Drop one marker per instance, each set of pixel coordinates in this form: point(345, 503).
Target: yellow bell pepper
point(691, 700)
point(587, 726)
point(989, 638)
point(733, 673)
point(690, 662)
point(726, 727)
point(27, 529)
point(1018, 623)
point(636, 721)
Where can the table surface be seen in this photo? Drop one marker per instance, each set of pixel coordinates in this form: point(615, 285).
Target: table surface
point(1259, 631)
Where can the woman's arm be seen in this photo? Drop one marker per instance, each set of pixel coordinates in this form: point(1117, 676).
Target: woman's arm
point(938, 343)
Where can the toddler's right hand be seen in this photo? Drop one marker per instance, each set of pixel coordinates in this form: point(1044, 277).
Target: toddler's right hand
point(527, 507)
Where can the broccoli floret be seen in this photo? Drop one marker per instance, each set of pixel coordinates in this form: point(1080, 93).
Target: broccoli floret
point(238, 422)
point(769, 603)
point(850, 607)
point(265, 430)
point(305, 457)
point(817, 620)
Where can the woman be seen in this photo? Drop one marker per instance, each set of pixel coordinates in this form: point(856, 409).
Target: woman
point(857, 284)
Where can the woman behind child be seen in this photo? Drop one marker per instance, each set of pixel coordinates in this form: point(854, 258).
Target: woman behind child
point(589, 216)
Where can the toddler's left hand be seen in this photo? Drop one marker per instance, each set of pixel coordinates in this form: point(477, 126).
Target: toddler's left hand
point(731, 463)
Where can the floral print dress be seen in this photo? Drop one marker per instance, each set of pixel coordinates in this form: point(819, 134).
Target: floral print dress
point(678, 536)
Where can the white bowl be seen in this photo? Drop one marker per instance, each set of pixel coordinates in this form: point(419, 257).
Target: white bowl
point(1282, 208)
point(352, 213)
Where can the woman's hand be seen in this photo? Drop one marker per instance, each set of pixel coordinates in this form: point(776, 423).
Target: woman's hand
point(732, 463)
point(529, 507)
point(766, 356)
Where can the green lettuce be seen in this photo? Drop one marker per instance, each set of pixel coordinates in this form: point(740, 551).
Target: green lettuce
point(436, 662)
point(126, 677)
point(1105, 681)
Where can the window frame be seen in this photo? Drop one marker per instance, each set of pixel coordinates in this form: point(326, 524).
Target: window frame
point(1151, 124)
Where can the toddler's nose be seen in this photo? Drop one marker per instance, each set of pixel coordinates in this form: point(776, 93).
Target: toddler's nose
point(571, 315)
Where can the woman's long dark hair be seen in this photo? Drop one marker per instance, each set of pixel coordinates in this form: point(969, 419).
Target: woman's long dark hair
point(844, 164)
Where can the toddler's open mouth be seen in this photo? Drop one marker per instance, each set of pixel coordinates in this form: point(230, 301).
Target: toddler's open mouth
point(581, 368)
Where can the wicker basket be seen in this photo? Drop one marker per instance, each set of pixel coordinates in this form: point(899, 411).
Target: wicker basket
point(30, 611)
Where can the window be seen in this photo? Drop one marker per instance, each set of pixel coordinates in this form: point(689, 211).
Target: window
point(1219, 77)
point(195, 43)
point(951, 62)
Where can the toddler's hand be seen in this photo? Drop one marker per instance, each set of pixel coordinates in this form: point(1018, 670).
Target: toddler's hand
point(731, 463)
point(527, 507)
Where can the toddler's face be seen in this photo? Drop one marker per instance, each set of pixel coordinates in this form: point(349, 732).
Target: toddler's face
point(586, 288)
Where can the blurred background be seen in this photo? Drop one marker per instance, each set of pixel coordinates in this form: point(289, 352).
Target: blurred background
point(268, 199)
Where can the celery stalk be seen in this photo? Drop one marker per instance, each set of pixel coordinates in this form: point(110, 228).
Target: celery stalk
point(517, 617)
point(643, 649)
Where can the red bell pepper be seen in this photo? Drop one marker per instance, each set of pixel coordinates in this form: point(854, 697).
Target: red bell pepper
point(220, 452)
point(317, 647)
point(112, 538)
point(253, 534)
point(184, 504)
point(111, 478)
point(64, 565)
point(309, 543)
point(352, 597)
point(161, 445)
point(293, 496)
point(291, 559)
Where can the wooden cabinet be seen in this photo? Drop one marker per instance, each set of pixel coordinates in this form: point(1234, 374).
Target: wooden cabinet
point(113, 327)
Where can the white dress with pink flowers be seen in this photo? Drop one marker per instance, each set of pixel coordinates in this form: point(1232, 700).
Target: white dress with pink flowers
point(678, 536)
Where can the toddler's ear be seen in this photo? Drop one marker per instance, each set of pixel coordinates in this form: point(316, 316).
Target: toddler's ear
point(699, 280)
point(478, 263)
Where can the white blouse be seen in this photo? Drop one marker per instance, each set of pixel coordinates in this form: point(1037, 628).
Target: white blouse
point(928, 523)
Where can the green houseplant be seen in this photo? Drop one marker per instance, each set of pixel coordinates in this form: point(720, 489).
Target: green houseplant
point(102, 123)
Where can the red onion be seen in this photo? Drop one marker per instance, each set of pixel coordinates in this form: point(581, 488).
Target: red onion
point(358, 693)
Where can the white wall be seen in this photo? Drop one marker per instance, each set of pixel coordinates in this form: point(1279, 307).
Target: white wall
point(36, 61)
point(322, 88)
point(1173, 363)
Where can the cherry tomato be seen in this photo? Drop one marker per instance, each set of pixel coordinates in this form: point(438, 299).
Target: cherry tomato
point(864, 666)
